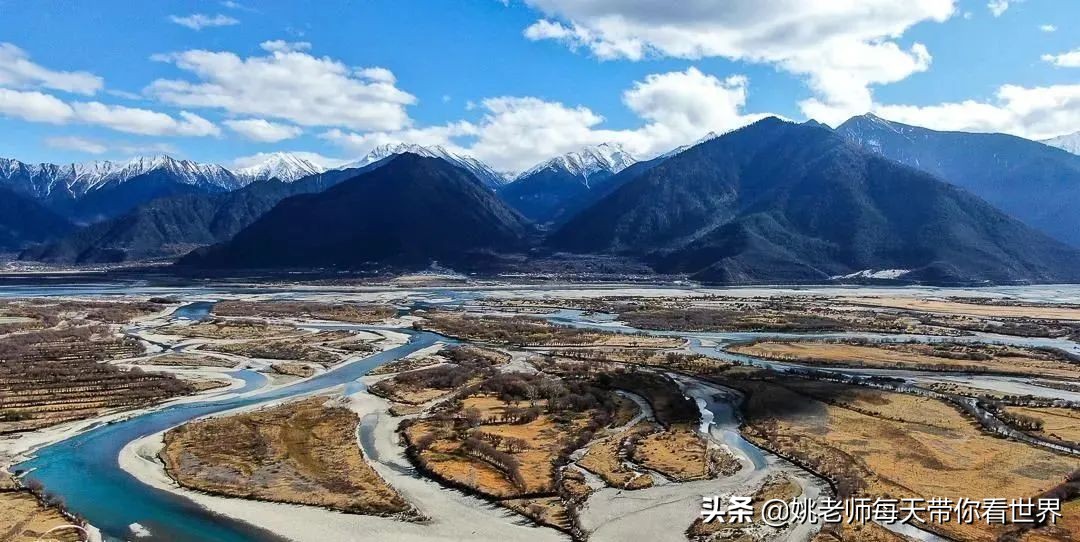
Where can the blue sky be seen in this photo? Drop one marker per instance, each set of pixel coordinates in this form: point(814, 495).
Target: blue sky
point(514, 82)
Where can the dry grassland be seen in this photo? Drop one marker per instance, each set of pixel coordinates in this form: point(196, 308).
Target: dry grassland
point(302, 452)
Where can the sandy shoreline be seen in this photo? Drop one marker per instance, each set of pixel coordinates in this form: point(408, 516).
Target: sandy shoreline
point(452, 515)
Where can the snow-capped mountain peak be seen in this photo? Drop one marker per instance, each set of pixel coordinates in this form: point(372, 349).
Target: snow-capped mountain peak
point(284, 166)
point(77, 179)
point(482, 171)
point(1067, 142)
point(88, 176)
point(608, 157)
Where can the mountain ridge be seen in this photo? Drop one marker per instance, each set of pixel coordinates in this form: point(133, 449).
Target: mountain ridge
point(1036, 183)
point(555, 189)
point(777, 201)
point(482, 171)
point(428, 209)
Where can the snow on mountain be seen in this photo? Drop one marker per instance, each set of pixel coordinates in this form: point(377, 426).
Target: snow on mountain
point(1067, 142)
point(41, 180)
point(889, 274)
point(608, 157)
point(286, 167)
point(709, 136)
point(184, 171)
point(482, 171)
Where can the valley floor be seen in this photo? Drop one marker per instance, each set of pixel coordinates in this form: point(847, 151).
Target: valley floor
point(478, 411)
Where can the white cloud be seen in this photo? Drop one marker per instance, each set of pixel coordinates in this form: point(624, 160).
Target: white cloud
point(1070, 59)
point(18, 71)
point(359, 144)
point(515, 133)
point(76, 144)
point(282, 46)
point(841, 76)
point(1031, 112)
point(381, 75)
point(199, 21)
point(997, 7)
point(263, 130)
point(143, 121)
point(34, 106)
point(237, 6)
point(1048, 28)
point(315, 158)
point(843, 47)
point(287, 84)
point(681, 107)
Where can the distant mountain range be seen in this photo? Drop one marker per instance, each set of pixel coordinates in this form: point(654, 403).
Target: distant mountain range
point(777, 201)
point(96, 190)
point(173, 226)
point(549, 191)
point(412, 210)
point(1031, 181)
point(771, 202)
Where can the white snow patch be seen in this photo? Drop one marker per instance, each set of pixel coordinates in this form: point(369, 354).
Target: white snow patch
point(874, 274)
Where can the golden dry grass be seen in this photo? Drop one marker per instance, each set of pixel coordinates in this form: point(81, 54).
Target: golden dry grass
point(911, 356)
point(193, 359)
point(280, 349)
point(230, 329)
point(679, 453)
point(24, 519)
point(1059, 423)
point(301, 452)
point(543, 510)
point(604, 460)
point(540, 440)
point(407, 364)
point(970, 309)
point(342, 312)
point(290, 368)
point(898, 445)
point(526, 331)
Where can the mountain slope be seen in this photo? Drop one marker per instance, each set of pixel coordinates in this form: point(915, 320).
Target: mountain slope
point(1068, 142)
point(1035, 183)
point(410, 211)
point(283, 166)
point(173, 226)
point(776, 201)
point(24, 221)
point(546, 192)
point(99, 190)
point(480, 170)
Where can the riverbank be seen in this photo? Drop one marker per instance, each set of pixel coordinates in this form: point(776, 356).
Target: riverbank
point(450, 514)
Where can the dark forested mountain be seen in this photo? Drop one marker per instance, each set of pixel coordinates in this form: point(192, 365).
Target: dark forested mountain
point(24, 221)
point(173, 226)
point(546, 192)
point(412, 210)
point(1036, 183)
point(777, 201)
